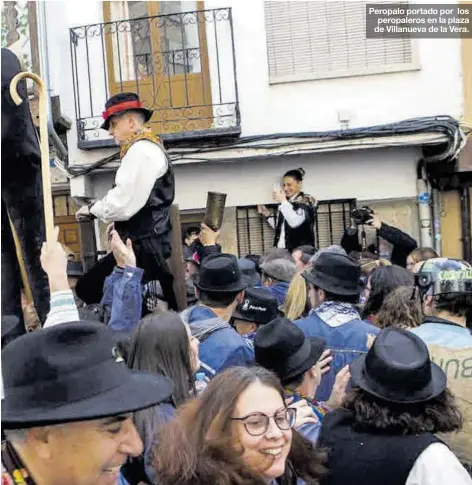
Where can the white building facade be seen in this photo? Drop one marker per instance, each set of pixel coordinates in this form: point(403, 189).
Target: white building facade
point(220, 73)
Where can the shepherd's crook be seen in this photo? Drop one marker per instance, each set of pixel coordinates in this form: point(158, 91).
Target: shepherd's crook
point(44, 144)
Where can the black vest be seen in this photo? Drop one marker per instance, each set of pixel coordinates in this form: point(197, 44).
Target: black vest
point(153, 219)
point(301, 235)
point(360, 458)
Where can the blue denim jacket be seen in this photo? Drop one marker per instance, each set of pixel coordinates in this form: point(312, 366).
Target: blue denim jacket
point(122, 296)
point(436, 331)
point(223, 348)
point(347, 342)
point(279, 290)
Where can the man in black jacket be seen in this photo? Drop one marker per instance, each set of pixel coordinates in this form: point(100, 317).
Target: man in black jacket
point(403, 244)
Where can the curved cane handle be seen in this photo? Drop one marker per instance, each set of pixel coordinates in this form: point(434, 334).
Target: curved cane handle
point(14, 85)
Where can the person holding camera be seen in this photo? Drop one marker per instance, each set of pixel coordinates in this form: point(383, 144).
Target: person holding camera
point(295, 218)
point(402, 243)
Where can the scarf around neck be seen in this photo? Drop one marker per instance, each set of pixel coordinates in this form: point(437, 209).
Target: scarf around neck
point(336, 313)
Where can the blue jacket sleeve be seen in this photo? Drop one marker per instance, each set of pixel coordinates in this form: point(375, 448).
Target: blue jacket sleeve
point(107, 299)
point(126, 305)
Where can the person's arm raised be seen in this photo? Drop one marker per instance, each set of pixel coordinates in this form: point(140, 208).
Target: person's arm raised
point(54, 263)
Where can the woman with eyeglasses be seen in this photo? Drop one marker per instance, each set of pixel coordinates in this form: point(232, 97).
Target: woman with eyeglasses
point(239, 431)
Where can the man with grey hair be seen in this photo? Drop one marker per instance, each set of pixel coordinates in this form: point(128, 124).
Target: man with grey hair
point(277, 275)
point(139, 203)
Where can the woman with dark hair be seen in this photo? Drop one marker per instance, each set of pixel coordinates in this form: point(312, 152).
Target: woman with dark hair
point(401, 308)
point(384, 433)
point(380, 283)
point(295, 219)
point(239, 431)
point(162, 344)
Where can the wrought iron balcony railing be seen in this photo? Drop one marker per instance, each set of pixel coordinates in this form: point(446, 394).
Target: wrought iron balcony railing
point(182, 65)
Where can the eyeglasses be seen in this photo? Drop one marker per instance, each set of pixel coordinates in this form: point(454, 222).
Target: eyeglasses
point(257, 424)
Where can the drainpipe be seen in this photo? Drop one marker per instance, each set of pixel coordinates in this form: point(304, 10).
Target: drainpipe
point(424, 212)
point(437, 220)
point(466, 224)
point(44, 66)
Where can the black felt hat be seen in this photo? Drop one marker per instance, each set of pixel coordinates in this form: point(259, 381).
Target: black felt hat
point(283, 348)
point(259, 306)
point(220, 273)
point(119, 104)
point(72, 372)
point(336, 274)
point(397, 368)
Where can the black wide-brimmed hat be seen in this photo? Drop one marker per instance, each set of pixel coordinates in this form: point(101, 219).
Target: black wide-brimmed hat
point(72, 372)
point(336, 274)
point(398, 368)
point(220, 273)
point(248, 269)
point(119, 104)
point(259, 306)
point(283, 348)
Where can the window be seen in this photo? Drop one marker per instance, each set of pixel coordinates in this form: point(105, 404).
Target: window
point(255, 236)
point(318, 40)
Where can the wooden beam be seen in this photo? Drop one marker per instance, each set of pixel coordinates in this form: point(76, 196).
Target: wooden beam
point(34, 39)
point(176, 260)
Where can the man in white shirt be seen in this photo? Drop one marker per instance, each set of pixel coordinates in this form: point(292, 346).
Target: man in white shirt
point(138, 205)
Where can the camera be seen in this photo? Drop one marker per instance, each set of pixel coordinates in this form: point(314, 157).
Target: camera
point(361, 215)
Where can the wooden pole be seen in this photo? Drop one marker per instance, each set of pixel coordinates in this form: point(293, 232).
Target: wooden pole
point(176, 261)
point(21, 263)
point(44, 145)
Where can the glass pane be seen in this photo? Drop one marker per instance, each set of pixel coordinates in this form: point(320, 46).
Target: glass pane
point(131, 39)
point(180, 42)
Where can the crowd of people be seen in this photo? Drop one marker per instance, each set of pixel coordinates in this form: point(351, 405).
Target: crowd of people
point(303, 365)
point(320, 367)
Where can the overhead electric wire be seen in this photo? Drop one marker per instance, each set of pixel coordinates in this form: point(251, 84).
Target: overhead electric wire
point(445, 125)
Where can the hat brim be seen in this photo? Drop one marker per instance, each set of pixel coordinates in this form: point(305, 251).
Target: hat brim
point(141, 390)
point(146, 112)
point(324, 285)
point(240, 285)
point(318, 346)
point(361, 379)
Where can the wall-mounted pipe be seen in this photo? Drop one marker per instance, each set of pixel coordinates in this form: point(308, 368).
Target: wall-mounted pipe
point(436, 196)
point(466, 223)
point(45, 73)
point(424, 209)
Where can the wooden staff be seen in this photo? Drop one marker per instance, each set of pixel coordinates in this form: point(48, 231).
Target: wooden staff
point(44, 145)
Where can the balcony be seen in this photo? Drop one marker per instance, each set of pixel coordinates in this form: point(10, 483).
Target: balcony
point(181, 64)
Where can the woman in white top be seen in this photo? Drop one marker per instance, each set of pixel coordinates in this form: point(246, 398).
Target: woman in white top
point(295, 217)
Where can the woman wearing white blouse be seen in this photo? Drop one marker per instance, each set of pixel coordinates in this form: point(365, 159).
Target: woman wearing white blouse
point(295, 218)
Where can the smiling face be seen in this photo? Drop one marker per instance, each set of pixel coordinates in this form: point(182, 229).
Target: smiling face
point(84, 453)
point(291, 186)
point(265, 454)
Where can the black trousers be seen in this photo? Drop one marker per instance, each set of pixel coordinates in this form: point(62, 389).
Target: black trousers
point(151, 256)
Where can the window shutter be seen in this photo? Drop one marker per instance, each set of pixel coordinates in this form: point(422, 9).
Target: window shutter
point(255, 236)
point(333, 218)
point(316, 40)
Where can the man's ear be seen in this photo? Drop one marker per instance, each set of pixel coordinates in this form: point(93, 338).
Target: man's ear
point(197, 292)
point(240, 297)
point(40, 438)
